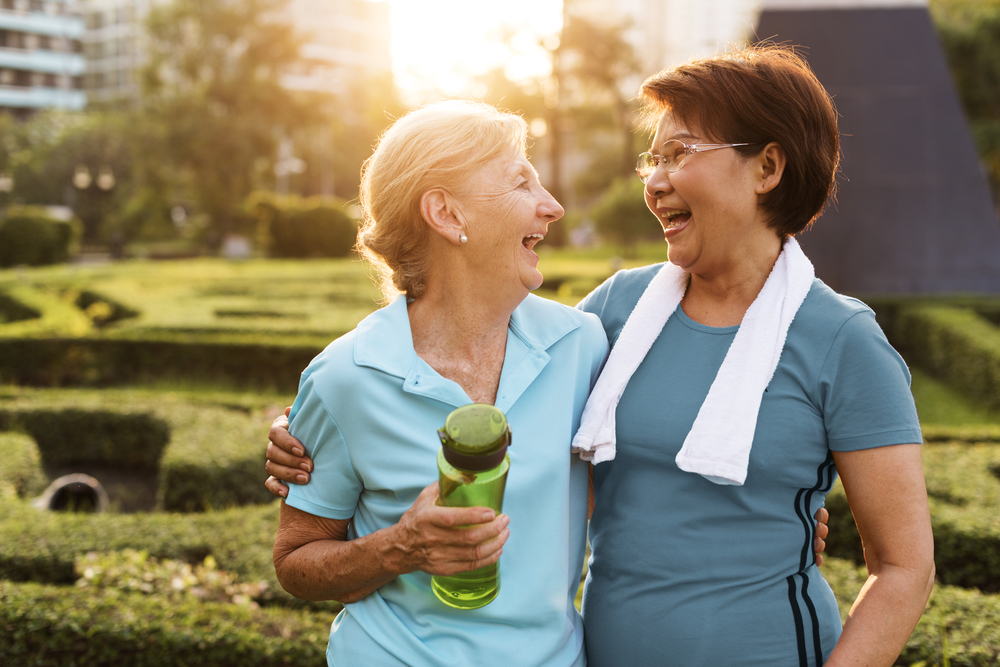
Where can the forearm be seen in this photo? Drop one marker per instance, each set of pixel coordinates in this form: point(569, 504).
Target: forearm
point(883, 616)
point(331, 569)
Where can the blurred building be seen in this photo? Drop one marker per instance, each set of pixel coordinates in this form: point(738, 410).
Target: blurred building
point(112, 45)
point(40, 61)
point(668, 32)
point(345, 40)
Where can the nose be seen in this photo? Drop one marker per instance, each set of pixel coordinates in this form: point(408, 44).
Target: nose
point(550, 209)
point(658, 183)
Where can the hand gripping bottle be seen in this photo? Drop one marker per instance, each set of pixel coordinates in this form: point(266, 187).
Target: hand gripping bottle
point(472, 467)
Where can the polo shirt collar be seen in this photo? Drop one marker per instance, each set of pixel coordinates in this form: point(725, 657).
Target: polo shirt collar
point(384, 342)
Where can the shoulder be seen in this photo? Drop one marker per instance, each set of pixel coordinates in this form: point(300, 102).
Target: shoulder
point(613, 300)
point(825, 314)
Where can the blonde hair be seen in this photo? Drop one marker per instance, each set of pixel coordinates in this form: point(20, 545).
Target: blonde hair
point(435, 146)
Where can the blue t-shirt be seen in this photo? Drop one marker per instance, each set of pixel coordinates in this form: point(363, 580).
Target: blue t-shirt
point(368, 411)
point(686, 572)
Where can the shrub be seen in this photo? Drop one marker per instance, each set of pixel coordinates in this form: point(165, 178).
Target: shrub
point(29, 235)
point(959, 627)
point(296, 227)
point(964, 494)
point(69, 436)
point(21, 474)
point(64, 626)
point(621, 214)
point(955, 344)
point(207, 455)
point(240, 360)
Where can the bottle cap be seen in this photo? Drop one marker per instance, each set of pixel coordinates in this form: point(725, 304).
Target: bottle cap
point(475, 437)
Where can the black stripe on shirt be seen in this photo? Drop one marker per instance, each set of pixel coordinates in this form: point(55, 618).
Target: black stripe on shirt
point(824, 482)
point(800, 632)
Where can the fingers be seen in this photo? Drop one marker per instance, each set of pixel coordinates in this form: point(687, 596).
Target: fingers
point(281, 457)
point(286, 474)
point(822, 516)
point(280, 436)
point(276, 487)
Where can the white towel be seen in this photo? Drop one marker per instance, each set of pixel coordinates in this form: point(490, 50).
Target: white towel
point(718, 445)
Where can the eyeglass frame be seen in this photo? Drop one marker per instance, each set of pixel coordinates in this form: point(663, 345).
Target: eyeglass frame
point(689, 149)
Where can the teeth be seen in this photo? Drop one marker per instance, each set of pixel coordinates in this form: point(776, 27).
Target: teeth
point(535, 236)
point(669, 214)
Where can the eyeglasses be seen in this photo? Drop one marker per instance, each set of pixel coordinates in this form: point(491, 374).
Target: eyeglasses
point(673, 154)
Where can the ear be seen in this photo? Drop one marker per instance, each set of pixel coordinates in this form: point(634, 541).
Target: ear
point(770, 165)
point(440, 212)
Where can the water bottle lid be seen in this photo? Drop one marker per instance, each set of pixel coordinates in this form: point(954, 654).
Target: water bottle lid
point(475, 437)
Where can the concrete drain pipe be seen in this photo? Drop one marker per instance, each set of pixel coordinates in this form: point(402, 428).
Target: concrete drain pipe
point(74, 493)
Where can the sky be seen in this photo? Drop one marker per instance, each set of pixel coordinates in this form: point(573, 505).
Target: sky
point(439, 45)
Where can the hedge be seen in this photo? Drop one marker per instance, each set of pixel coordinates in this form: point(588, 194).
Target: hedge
point(30, 236)
point(64, 626)
point(956, 344)
point(964, 496)
point(207, 455)
point(959, 627)
point(303, 228)
point(230, 360)
point(21, 473)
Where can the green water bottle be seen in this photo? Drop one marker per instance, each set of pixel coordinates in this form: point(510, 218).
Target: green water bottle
point(472, 469)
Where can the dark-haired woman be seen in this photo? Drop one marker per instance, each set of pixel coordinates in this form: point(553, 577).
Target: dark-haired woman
point(701, 547)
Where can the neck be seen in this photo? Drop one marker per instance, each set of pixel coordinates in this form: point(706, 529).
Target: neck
point(721, 298)
point(460, 329)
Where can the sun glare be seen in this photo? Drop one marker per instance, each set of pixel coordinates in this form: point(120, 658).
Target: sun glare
point(438, 46)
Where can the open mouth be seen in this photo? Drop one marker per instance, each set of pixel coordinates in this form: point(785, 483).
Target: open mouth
point(531, 240)
point(674, 217)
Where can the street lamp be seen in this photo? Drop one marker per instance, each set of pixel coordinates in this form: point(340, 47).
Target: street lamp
point(6, 187)
point(101, 187)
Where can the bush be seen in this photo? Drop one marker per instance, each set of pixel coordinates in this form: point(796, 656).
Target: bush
point(21, 474)
point(964, 494)
point(29, 235)
point(621, 214)
point(955, 344)
point(207, 455)
point(69, 436)
point(959, 627)
point(240, 360)
point(303, 228)
point(64, 626)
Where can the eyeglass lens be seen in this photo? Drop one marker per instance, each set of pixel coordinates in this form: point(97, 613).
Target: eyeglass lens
point(671, 156)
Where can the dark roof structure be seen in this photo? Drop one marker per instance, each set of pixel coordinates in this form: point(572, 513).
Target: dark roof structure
point(913, 214)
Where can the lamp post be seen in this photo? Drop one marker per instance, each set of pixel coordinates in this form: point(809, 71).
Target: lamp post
point(95, 192)
point(6, 187)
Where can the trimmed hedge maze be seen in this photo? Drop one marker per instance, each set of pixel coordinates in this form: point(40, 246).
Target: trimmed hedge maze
point(78, 589)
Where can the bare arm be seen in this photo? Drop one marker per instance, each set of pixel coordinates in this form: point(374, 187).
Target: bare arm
point(887, 493)
point(314, 560)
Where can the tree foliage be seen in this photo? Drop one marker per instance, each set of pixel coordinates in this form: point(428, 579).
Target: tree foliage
point(213, 84)
point(970, 34)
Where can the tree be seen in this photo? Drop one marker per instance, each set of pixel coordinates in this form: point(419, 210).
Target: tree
point(621, 214)
point(970, 34)
point(213, 87)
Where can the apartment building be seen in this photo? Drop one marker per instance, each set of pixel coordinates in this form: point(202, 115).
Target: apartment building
point(41, 64)
point(345, 40)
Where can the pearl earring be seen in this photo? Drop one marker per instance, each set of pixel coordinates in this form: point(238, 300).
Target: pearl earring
point(463, 238)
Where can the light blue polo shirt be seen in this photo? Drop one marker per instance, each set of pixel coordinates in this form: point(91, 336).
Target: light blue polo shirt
point(368, 411)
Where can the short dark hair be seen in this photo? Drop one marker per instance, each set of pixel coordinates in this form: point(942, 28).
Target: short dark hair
point(757, 95)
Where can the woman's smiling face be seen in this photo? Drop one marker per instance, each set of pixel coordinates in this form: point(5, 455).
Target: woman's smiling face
point(706, 208)
point(508, 213)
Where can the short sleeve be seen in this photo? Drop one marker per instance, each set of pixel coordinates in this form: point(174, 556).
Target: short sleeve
point(334, 488)
point(864, 390)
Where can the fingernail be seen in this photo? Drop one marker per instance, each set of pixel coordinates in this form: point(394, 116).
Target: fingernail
point(297, 451)
point(302, 479)
point(284, 494)
point(305, 466)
